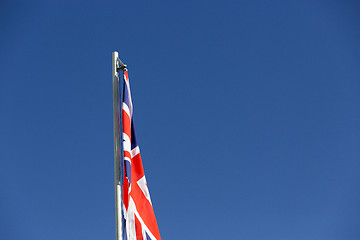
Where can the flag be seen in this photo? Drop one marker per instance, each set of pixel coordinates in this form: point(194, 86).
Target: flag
point(139, 216)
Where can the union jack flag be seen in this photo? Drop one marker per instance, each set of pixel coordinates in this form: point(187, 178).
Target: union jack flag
point(139, 216)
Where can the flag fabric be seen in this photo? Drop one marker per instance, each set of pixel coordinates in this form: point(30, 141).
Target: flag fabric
point(139, 216)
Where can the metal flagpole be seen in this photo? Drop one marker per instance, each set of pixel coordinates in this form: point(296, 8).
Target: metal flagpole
point(116, 66)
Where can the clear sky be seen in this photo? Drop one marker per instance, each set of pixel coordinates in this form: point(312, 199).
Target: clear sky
point(247, 117)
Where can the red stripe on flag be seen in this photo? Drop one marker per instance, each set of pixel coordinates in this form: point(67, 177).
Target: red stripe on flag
point(125, 192)
point(126, 76)
point(137, 170)
point(127, 154)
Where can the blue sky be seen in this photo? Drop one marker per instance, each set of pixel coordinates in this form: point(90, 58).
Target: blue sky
point(247, 116)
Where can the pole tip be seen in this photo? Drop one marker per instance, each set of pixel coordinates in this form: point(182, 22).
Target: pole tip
point(120, 65)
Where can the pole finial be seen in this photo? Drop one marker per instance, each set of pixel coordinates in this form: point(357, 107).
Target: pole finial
point(120, 65)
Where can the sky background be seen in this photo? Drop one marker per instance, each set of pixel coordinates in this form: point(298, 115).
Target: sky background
point(247, 117)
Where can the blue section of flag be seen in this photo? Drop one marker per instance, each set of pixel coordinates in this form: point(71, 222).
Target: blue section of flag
point(133, 136)
point(125, 235)
point(128, 170)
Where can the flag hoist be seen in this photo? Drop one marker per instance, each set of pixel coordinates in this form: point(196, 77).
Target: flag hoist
point(135, 218)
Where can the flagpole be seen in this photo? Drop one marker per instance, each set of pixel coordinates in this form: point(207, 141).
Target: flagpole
point(116, 66)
